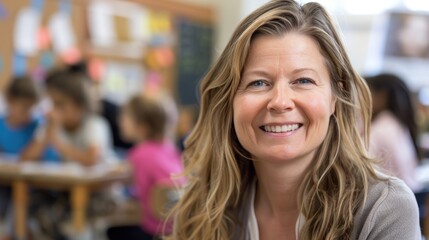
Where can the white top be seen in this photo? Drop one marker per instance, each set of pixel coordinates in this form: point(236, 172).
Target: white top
point(93, 131)
point(391, 142)
point(252, 223)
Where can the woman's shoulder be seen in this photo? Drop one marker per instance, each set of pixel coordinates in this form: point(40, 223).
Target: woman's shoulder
point(390, 211)
point(389, 191)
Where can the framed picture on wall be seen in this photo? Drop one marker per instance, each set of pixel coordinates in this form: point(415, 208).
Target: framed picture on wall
point(407, 36)
point(400, 45)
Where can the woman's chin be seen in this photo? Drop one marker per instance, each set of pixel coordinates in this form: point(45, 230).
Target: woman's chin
point(284, 157)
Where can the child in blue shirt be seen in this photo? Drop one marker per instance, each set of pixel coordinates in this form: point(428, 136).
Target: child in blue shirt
point(17, 126)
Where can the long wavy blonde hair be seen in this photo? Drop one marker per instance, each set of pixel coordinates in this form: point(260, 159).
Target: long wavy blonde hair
point(220, 170)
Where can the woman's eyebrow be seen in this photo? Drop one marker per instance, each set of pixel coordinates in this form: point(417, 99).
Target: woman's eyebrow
point(258, 72)
point(299, 70)
point(265, 73)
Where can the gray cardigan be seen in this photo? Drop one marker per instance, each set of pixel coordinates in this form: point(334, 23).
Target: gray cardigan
point(390, 213)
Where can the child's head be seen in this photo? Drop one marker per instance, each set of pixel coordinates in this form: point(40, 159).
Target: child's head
point(143, 119)
point(21, 95)
point(69, 95)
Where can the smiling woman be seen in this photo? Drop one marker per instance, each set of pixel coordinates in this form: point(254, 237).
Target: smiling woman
point(277, 152)
point(284, 101)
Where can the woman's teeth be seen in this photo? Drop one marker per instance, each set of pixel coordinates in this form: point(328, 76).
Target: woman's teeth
point(281, 128)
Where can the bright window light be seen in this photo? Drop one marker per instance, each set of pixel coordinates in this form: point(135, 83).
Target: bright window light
point(417, 5)
point(369, 7)
point(424, 96)
point(330, 5)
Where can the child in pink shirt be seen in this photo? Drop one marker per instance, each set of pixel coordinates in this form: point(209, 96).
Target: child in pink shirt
point(154, 159)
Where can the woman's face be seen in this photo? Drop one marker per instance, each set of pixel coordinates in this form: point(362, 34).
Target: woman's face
point(284, 102)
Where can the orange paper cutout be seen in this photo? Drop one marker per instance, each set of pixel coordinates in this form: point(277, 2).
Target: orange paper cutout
point(96, 69)
point(43, 38)
point(71, 55)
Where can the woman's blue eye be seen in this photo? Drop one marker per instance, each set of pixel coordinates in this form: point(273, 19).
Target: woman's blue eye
point(258, 83)
point(304, 81)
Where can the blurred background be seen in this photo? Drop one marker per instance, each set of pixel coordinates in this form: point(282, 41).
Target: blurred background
point(132, 45)
point(162, 49)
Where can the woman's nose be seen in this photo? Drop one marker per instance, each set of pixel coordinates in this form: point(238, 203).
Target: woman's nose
point(281, 100)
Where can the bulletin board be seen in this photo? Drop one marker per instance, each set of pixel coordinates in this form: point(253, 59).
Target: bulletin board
point(191, 28)
point(9, 10)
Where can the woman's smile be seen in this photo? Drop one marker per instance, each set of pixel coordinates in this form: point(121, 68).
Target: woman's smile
point(281, 129)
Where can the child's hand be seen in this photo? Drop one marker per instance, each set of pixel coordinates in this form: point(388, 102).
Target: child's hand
point(53, 125)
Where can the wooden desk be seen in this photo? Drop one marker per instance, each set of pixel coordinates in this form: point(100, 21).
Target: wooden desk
point(78, 180)
point(10, 174)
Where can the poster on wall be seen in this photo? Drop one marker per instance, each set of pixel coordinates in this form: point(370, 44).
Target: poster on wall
point(19, 64)
point(408, 36)
point(63, 37)
point(25, 33)
point(3, 13)
point(118, 28)
point(400, 44)
point(119, 81)
point(1, 64)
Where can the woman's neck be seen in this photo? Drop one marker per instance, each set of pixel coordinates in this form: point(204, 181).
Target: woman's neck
point(278, 186)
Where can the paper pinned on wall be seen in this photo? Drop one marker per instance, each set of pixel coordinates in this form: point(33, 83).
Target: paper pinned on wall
point(38, 74)
point(62, 34)
point(100, 24)
point(96, 69)
point(121, 24)
point(47, 60)
point(165, 56)
point(71, 56)
point(19, 64)
point(43, 38)
point(160, 23)
point(153, 81)
point(118, 27)
point(1, 64)
point(65, 6)
point(37, 4)
point(119, 81)
point(25, 33)
point(3, 13)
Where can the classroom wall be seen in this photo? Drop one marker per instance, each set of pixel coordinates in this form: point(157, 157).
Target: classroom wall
point(228, 15)
point(189, 36)
point(356, 29)
point(356, 32)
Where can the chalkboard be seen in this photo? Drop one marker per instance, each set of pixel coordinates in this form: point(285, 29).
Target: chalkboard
point(194, 57)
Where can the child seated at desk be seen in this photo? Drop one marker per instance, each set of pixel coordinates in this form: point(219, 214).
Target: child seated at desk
point(17, 128)
point(154, 160)
point(77, 135)
point(71, 129)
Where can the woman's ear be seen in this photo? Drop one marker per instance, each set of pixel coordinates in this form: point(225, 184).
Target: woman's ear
point(338, 88)
point(333, 104)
